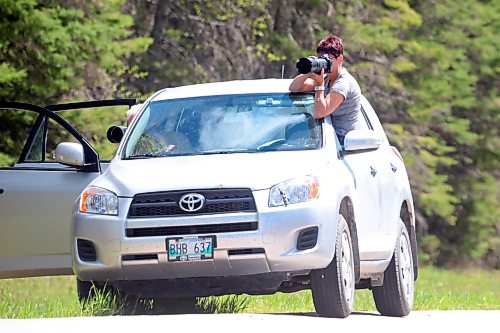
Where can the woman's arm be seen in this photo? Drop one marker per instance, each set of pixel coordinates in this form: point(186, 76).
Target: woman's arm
point(323, 106)
point(302, 82)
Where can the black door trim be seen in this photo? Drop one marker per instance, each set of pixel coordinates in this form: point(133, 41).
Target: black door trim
point(92, 163)
point(91, 104)
point(41, 119)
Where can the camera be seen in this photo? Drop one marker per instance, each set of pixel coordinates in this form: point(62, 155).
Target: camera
point(314, 64)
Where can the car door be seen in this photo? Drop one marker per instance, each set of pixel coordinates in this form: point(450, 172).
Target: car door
point(37, 193)
point(390, 168)
point(366, 168)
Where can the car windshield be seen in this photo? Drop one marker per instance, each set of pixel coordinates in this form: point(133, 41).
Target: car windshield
point(225, 124)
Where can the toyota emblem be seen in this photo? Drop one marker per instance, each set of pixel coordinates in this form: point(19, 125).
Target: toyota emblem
point(191, 202)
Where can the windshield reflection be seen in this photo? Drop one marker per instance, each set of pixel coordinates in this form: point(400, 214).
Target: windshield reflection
point(225, 124)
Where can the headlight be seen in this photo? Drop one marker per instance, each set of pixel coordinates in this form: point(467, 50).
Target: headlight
point(294, 191)
point(95, 200)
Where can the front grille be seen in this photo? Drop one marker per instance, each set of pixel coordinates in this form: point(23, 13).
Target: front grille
point(192, 229)
point(217, 201)
point(307, 238)
point(236, 252)
point(86, 250)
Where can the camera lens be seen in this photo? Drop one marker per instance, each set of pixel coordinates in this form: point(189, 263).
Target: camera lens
point(304, 65)
point(312, 64)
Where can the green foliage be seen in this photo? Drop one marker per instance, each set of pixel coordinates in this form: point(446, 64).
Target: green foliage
point(224, 304)
point(6, 160)
point(101, 119)
point(45, 48)
point(428, 247)
point(479, 236)
point(14, 134)
point(49, 49)
point(450, 97)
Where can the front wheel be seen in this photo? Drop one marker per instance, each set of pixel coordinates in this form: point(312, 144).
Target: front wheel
point(395, 297)
point(333, 287)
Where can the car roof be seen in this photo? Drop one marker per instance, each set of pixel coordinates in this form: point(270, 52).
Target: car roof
point(225, 88)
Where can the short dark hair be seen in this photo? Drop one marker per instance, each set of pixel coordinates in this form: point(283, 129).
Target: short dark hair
point(331, 45)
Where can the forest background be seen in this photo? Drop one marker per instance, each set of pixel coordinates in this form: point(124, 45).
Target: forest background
point(429, 67)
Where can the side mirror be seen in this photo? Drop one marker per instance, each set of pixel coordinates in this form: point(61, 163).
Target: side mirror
point(69, 153)
point(115, 133)
point(359, 140)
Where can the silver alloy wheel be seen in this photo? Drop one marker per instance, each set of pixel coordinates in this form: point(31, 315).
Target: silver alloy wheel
point(406, 267)
point(333, 286)
point(347, 271)
point(395, 296)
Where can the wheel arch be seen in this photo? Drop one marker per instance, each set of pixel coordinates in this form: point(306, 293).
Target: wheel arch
point(347, 211)
point(406, 215)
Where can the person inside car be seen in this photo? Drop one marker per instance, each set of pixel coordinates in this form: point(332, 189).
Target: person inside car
point(337, 93)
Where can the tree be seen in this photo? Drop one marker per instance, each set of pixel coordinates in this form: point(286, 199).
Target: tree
point(51, 50)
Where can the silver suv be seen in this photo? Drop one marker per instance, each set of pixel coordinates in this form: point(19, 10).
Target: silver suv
point(234, 187)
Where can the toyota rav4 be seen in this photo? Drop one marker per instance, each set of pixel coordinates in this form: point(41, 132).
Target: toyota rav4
point(222, 188)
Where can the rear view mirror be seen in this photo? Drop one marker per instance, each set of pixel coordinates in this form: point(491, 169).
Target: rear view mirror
point(115, 133)
point(69, 153)
point(360, 140)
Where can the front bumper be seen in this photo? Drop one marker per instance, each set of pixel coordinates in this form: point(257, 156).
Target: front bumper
point(271, 248)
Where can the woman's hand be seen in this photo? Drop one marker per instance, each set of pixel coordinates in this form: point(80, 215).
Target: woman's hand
point(319, 79)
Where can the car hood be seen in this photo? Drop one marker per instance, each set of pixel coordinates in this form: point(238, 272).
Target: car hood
point(248, 170)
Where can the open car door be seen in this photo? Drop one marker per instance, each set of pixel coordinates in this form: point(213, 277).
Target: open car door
point(38, 192)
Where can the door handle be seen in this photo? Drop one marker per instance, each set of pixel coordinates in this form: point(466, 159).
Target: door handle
point(373, 171)
point(393, 168)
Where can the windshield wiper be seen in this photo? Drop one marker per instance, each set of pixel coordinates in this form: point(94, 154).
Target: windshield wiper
point(229, 151)
point(209, 152)
point(143, 156)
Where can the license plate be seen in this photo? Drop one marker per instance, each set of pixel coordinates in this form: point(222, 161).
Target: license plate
point(190, 248)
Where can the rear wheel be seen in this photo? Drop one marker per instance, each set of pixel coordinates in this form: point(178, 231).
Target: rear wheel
point(333, 287)
point(395, 297)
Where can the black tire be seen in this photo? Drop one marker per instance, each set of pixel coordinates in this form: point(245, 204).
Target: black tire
point(333, 287)
point(395, 297)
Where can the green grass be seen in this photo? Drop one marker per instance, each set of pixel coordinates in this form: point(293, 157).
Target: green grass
point(45, 303)
point(436, 289)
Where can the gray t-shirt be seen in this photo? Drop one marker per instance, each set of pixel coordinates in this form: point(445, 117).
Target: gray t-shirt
point(346, 114)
